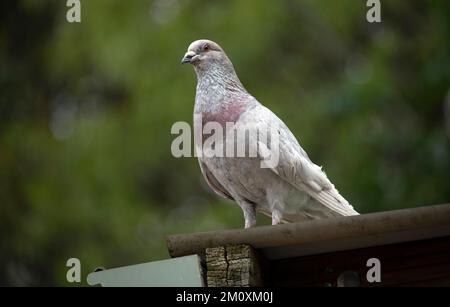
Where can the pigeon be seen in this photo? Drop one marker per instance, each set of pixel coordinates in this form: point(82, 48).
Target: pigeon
point(292, 190)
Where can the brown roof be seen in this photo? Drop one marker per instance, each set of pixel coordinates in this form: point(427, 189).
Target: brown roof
point(322, 236)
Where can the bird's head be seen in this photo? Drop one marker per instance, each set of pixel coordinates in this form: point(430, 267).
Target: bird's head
point(204, 53)
point(209, 60)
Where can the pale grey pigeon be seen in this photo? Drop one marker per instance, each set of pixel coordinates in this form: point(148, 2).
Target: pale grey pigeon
point(295, 189)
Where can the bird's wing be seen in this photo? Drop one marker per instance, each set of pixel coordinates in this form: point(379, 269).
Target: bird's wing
point(213, 182)
point(295, 167)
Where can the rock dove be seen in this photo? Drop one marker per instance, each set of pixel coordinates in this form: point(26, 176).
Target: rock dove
point(293, 190)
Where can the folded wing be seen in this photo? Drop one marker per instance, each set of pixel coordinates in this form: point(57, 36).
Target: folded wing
point(295, 167)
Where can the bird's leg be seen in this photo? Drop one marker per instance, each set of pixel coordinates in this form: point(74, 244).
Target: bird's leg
point(249, 214)
point(276, 217)
point(250, 219)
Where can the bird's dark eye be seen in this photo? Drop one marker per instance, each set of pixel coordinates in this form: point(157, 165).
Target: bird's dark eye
point(206, 47)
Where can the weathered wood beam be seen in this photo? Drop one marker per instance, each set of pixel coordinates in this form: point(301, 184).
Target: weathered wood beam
point(233, 266)
point(326, 235)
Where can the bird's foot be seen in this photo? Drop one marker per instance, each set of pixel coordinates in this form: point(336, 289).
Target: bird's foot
point(276, 217)
point(250, 223)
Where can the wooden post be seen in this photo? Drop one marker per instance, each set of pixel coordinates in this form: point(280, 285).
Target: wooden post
point(233, 266)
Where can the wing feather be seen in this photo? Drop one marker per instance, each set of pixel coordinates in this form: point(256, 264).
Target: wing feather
point(295, 167)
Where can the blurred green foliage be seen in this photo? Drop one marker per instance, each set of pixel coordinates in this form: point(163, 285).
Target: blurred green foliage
point(86, 111)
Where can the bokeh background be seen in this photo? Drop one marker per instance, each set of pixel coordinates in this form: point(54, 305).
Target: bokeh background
point(86, 110)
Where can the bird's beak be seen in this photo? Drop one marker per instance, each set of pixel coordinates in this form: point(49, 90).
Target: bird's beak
point(188, 57)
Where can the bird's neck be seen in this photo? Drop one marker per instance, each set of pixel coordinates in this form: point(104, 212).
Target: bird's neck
point(217, 88)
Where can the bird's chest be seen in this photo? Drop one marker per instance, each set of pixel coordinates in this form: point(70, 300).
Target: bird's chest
point(216, 119)
point(223, 114)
